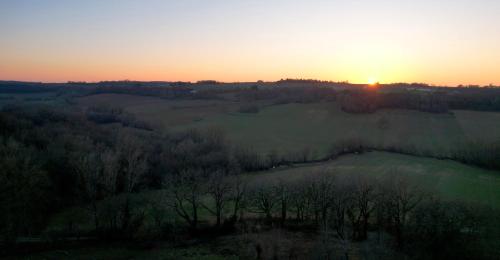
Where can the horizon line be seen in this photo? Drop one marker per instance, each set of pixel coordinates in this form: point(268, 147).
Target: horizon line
point(241, 82)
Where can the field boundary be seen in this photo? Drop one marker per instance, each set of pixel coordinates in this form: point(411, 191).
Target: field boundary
point(288, 165)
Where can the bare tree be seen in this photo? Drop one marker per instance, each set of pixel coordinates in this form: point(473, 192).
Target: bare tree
point(134, 160)
point(282, 193)
point(339, 205)
point(263, 200)
point(185, 191)
point(361, 205)
point(89, 168)
point(159, 210)
point(398, 199)
point(238, 197)
point(98, 173)
point(219, 189)
point(337, 221)
point(111, 166)
point(300, 201)
point(320, 192)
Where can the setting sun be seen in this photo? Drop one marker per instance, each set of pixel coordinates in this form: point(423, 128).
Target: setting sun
point(372, 81)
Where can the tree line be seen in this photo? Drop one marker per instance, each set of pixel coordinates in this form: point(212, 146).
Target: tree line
point(342, 209)
point(432, 100)
point(369, 101)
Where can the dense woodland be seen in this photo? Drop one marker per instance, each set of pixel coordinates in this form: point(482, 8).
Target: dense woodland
point(98, 158)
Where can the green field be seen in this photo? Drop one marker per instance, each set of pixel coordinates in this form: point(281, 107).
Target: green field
point(294, 127)
point(163, 112)
point(449, 179)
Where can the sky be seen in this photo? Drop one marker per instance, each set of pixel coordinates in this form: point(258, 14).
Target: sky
point(441, 42)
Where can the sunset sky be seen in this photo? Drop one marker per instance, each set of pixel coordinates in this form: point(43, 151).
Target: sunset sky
point(439, 42)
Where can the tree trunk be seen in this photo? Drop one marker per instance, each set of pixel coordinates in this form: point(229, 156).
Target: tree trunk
point(364, 234)
point(283, 213)
point(219, 216)
point(96, 217)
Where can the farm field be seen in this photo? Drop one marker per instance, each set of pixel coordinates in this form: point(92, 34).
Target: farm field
point(163, 112)
point(295, 127)
point(291, 128)
point(449, 179)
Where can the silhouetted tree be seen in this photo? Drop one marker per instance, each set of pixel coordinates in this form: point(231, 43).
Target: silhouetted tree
point(219, 190)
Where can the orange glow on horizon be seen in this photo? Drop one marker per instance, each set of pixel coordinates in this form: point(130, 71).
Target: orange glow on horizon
point(372, 82)
point(247, 41)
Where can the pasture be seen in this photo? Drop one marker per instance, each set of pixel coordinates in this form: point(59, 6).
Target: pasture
point(292, 128)
point(448, 179)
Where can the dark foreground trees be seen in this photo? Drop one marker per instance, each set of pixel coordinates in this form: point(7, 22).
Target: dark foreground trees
point(24, 191)
point(397, 201)
point(347, 208)
point(62, 157)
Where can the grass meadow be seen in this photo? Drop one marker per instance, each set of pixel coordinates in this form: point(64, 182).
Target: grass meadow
point(448, 179)
point(295, 127)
